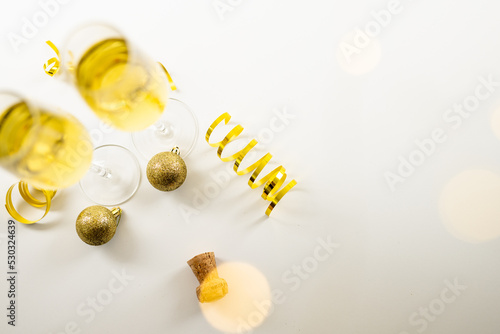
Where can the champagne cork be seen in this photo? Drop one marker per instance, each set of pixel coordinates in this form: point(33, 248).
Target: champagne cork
point(211, 287)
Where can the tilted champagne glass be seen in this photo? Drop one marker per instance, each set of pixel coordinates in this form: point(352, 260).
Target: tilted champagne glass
point(47, 149)
point(128, 90)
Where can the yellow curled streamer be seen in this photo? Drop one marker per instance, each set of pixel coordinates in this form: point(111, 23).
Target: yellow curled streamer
point(273, 181)
point(52, 65)
point(28, 197)
point(172, 84)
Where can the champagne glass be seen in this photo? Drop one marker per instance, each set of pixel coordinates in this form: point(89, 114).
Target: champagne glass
point(176, 127)
point(128, 90)
point(47, 149)
point(113, 177)
point(52, 150)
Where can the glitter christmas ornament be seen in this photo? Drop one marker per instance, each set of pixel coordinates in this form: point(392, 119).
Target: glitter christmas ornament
point(96, 225)
point(167, 171)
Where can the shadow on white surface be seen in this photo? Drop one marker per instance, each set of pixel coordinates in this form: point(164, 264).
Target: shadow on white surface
point(185, 295)
point(247, 303)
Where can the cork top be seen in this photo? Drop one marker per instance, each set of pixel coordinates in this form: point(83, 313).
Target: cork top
point(203, 265)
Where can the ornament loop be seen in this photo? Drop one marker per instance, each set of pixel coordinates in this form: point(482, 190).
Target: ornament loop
point(117, 212)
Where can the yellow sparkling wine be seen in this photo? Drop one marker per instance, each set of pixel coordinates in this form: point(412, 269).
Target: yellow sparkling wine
point(49, 151)
point(125, 90)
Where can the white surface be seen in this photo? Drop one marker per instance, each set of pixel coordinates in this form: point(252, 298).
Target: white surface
point(396, 250)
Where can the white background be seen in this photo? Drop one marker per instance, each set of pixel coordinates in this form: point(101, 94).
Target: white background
point(351, 123)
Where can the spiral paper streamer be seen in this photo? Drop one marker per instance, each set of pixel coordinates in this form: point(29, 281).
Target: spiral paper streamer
point(26, 195)
point(52, 65)
point(273, 181)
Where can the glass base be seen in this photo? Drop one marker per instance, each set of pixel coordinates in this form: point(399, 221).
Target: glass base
point(113, 177)
point(177, 126)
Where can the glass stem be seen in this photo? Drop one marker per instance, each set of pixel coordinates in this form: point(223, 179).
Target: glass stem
point(101, 171)
point(164, 129)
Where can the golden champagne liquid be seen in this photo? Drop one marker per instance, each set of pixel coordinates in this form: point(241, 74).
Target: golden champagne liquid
point(49, 151)
point(123, 90)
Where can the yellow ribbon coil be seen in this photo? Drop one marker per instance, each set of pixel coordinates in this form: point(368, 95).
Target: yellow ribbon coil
point(170, 80)
point(273, 181)
point(28, 197)
point(52, 65)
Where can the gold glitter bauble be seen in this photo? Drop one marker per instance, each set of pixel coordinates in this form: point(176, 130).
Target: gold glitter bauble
point(166, 171)
point(96, 225)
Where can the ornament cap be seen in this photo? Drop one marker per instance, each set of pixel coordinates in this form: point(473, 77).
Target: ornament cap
point(117, 212)
point(176, 150)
